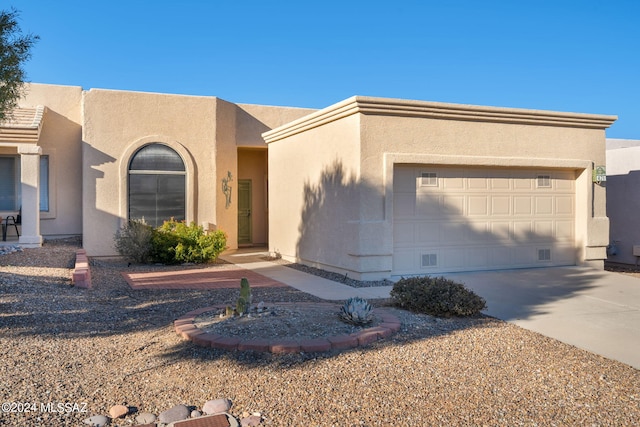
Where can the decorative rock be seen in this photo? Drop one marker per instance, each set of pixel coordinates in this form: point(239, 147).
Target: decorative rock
point(97, 421)
point(118, 411)
point(252, 420)
point(216, 406)
point(5, 250)
point(196, 414)
point(146, 418)
point(177, 413)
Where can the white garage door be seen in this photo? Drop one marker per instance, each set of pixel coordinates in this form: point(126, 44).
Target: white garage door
point(450, 219)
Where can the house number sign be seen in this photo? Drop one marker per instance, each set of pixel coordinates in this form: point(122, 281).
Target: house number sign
point(599, 174)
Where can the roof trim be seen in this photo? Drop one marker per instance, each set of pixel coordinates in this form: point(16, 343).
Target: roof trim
point(24, 125)
point(437, 110)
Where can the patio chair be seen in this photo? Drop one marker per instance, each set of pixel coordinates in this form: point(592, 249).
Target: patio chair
point(9, 221)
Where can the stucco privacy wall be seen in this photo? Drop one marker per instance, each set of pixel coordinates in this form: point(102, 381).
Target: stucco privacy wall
point(60, 140)
point(623, 205)
point(385, 133)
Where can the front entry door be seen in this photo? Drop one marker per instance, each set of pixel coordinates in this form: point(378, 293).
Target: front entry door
point(244, 211)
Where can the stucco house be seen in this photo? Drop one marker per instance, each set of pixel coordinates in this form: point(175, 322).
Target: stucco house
point(623, 181)
point(369, 187)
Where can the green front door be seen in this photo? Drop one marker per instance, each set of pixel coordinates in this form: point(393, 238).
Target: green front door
point(244, 211)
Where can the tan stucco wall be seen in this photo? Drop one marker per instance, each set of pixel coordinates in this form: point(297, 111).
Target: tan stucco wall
point(313, 195)
point(206, 131)
point(61, 140)
point(116, 124)
point(253, 120)
point(369, 136)
point(416, 140)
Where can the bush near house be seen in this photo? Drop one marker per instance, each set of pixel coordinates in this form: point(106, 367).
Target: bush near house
point(436, 296)
point(133, 241)
point(173, 243)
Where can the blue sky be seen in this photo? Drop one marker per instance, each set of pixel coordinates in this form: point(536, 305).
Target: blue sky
point(577, 56)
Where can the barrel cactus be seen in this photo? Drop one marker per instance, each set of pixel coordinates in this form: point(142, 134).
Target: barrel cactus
point(356, 311)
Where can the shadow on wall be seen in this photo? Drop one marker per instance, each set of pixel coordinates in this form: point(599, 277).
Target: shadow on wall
point(623, 210)
point(99, 226)
point(331, 214)
point(328, 227)
point(249, 129)
point(325, 234)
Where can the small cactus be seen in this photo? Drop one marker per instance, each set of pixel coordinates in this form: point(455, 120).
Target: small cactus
point(244, 301)
point(356, 311)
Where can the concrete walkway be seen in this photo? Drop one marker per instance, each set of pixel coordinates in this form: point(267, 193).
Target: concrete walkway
point(252, 259)
point(598, 311)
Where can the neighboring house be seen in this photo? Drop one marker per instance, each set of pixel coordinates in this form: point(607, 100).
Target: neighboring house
point(369, 187)
point(623, 183)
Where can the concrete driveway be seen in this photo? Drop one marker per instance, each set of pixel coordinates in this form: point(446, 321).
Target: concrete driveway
point(595, 310)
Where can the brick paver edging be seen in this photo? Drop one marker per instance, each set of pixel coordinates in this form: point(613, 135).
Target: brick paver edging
point(185, 327)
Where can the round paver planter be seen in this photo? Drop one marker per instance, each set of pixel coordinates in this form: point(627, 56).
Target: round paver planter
point(185, 327)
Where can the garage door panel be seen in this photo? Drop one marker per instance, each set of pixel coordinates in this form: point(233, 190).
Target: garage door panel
point(501, 230)
point(544, 205)
point(478, 205)
point(565, 206)
point(522, 205)
point(500, 205)
point(477, 258)
point(404, 180)
point(429, 233)
point(404, 205)
point(404, 234)
point(453, 206)
point(477, 232)
point(477, 183)
point(429, 206)
point(453, 183)
point(522, 184)
point(564, 254)
point(500, 183)
point(564, 231)
point(565, 183)
point(543, 231)
point(522, 230)
point(452, 233)
point(404, 261)
point(476, 219)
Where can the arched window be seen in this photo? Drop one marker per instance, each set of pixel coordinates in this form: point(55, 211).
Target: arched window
point(156, 185)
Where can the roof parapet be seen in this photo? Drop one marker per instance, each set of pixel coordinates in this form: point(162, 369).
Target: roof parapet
point(437, 110)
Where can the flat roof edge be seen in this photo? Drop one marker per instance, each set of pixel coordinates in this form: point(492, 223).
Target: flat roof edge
point(438, 110)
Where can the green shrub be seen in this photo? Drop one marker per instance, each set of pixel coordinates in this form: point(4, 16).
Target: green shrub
point(163, 246)
point(133, 241)
point(436, 296)
point(173, 243)
point(176, 242)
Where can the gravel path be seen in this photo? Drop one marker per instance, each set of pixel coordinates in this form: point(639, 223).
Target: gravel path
point(112, 345)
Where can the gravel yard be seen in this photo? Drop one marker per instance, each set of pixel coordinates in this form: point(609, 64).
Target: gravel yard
point(112, 345)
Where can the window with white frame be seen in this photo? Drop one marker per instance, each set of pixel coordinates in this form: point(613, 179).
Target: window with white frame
point(428, 179)
point(10, 183)
point(544, 181)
